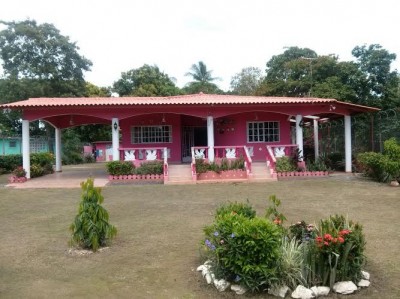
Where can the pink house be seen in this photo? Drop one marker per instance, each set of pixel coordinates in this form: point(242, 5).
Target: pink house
point(179, 129)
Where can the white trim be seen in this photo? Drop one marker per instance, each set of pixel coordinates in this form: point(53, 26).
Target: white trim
point(299, 134)
point(58, 149)
point(263, 121)
point(210, 138)
point(347, 142)
point(115, 138)
point(316, 139)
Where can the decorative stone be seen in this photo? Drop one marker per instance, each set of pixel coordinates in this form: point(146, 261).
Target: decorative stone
point(320, 291)
point(238, 289)
point(301, 292)
point(344, 287)
point(221, 284)
point(394, 183)
point(365, 275)
point(363, 283)
point(208, 278)
point(200, 268)
point(279, 291)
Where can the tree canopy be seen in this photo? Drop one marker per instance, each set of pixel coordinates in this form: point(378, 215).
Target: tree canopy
point(247, 81)
point(144, 82)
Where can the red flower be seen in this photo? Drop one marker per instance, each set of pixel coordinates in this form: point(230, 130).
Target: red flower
point(344, 232)
point(328, 237)
point(341, 240)
point(326, 243)
point(334, 240)
point(318, 239)
point(277, 221)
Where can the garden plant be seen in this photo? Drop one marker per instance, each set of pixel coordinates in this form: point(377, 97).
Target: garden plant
point(91, 229)
point(259, 253)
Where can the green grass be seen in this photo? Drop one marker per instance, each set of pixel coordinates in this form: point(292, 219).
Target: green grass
point(159, 231)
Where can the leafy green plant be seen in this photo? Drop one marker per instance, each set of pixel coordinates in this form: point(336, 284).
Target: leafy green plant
point(272, 211)
point(223, 165)
point(285, 164)
point(120, 167)
point(236, 208)
point(291, 263)
point(91, 228)
point(244, 250)
point(317, 165)
point(152, 167)
point(36, 171)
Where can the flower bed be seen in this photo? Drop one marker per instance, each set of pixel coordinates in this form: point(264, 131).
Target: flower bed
point(16, 179)
point(223, 175)
point(310, 260)
point(299, 174)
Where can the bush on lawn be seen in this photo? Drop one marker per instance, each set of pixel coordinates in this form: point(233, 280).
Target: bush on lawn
point(382, 167)
point(259, 253)
point(91, 228)
point(128, 168)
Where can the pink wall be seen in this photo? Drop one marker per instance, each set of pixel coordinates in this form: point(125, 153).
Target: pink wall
point(101, 148)
point(233, 131)
point(230, 130)
point(173, 120)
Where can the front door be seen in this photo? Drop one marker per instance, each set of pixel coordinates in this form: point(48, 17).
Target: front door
point(192, 136)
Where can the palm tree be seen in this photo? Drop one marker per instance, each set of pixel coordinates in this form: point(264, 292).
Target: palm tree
point(200, 73)
point(202, 79)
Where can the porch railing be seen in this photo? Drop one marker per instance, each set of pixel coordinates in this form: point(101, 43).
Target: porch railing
point(277, 151)
point(140, 154)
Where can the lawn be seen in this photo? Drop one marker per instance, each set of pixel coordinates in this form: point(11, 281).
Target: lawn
point(159, 230)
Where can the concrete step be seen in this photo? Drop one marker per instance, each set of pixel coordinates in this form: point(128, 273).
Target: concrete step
point(179, 174)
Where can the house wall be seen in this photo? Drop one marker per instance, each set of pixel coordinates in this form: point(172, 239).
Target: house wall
point(232, 130)
point(173, 120)
point(103, 152)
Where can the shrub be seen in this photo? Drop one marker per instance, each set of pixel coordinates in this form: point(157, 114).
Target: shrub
point(382, 167)
point(317, 165)
point(336, 253)
point(91, 228)
point(88, 158)
point(244, 250)
point(152, 167)
point(285, 164)
point(43, 160)
point(224, 165)
point(19, 172)
point(10, 162)
point(36, 171)
point(120, 168)
point(243, 209)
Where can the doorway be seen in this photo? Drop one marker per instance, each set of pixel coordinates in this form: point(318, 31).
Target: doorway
point(192, 136)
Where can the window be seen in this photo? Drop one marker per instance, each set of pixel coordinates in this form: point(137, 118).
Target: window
point(13, 143)
point(263, 131)
point(151, 134)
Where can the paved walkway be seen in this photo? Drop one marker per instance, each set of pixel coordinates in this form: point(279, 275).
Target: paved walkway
point(70, 177)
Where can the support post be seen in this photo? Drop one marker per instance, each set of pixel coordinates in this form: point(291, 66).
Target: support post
point(347, 142)
point(115, 138)
point(210, 138)
point(58, 149)
point(299, 134)
point(316, 139)
point(26, 159)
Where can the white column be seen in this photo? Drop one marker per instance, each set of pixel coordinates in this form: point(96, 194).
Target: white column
point(115, 138)
point(210, 138)
point(58, 149)
point(347, 142)
point(316, 140)
point(26, 160)
point(299, 134)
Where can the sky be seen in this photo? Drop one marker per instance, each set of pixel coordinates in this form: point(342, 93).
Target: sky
point(227, 36)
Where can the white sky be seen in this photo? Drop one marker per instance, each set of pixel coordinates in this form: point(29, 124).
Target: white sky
point(227, 35)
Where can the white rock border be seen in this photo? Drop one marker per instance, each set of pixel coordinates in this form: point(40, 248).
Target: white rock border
point(301, 292)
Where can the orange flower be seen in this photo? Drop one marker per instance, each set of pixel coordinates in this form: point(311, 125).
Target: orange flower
point(277, 221)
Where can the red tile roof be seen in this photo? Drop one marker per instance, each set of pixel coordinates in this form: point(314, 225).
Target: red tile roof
point(194, 99)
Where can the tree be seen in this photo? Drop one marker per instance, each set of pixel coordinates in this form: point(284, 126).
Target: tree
point(202, 80)
point(247, 81)
point(380, 83)
point(38, 61)
point(144, 82)
point(95, 91)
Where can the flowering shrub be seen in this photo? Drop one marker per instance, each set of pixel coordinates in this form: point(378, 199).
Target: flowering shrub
point(333, 251)
point(259, 253)
point(19, 172)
